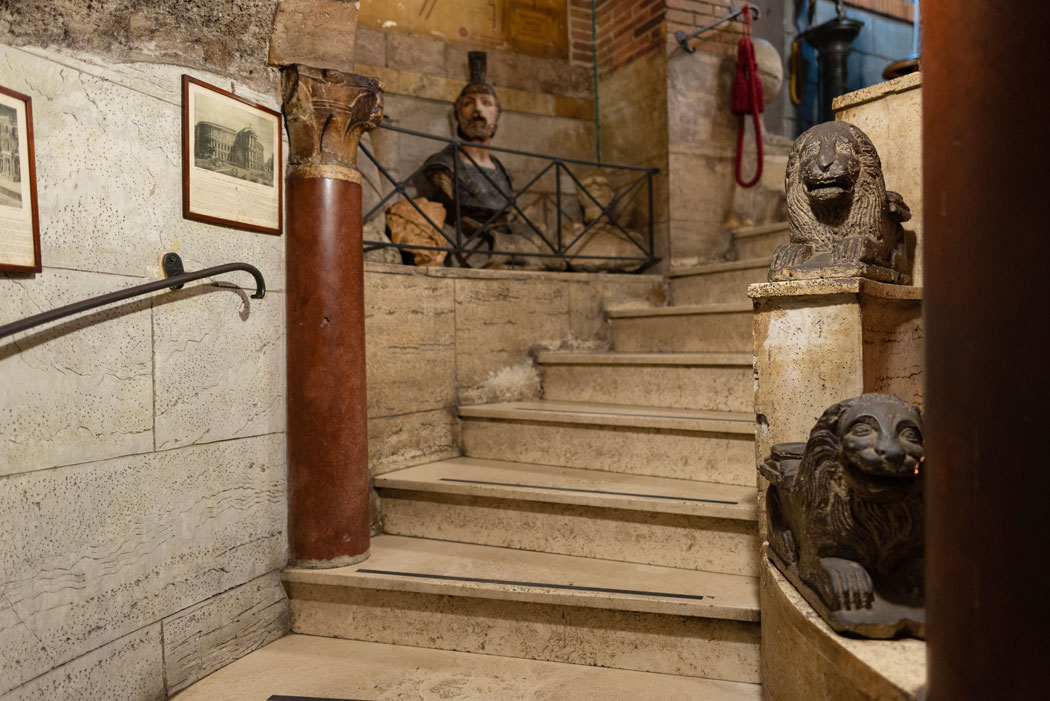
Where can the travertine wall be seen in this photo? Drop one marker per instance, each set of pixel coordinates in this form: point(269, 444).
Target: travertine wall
point(142, 458)
point(437, 338)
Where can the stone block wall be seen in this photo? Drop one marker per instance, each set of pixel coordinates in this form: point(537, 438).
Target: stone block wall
point(438, 338)
point(142, 451)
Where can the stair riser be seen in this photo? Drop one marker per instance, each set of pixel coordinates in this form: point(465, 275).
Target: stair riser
point(672, 540)
point(683, 387)
point(666, 644)
point(707, 457)
point(726, 332)
point(713, 288)
point(760, 246)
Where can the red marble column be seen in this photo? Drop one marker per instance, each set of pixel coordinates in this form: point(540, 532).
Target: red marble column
point(986, 247)
point(328, 482)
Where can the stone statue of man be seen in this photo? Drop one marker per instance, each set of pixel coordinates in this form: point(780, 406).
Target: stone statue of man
point(481, 181)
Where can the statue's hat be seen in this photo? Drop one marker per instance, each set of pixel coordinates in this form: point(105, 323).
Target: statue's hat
point(478, 64)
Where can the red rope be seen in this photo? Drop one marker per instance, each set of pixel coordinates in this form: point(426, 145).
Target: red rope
point(747, 99)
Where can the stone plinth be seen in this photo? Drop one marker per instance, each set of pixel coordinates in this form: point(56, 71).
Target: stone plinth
point(805, 660)
point(818, 342)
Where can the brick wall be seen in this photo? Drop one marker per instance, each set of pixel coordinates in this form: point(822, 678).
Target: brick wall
point(626, 30)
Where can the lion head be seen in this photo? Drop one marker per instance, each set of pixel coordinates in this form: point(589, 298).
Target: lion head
point(877, 441)
point(834, 186)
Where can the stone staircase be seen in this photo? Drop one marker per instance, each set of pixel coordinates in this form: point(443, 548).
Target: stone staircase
point(612, 524)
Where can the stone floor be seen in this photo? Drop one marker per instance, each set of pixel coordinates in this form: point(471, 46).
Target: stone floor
point(303, 665)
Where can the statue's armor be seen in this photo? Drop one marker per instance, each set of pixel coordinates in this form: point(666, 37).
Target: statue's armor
point(479, 198)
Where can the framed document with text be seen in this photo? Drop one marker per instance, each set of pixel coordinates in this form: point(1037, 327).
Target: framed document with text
point(19, 223)
point(231, 159)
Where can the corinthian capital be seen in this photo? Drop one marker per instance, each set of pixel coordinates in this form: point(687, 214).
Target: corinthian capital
point(326, 112)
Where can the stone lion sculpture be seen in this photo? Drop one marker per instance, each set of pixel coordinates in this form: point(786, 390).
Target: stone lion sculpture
point(845, 516)
point(842, 220)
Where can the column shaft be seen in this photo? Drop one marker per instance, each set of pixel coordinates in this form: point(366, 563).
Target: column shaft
point(986, 251)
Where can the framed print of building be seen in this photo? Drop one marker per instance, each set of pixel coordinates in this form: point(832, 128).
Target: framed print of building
point(19, 223)
point(231, 159)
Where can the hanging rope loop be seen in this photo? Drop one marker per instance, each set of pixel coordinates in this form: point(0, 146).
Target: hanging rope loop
point(747, 98)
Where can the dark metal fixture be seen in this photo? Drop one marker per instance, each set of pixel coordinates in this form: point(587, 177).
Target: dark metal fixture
point(683, 38)
point(463, 246)
point(832, 41)
point(174, 282)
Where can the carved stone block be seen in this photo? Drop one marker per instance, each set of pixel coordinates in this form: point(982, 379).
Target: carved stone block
point(843, 221)
point(845, 516)
point(326, 112)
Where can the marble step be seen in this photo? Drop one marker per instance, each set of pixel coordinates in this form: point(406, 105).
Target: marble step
point(310, 666)
point(571, 511)
point(540, 606)
point(718, 381)
point(707, 446)
point(719, 328)
point(717, 282)
point(759, 241)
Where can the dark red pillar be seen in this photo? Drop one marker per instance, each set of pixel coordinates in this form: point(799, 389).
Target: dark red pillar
point(328, 481)
point(987, 247)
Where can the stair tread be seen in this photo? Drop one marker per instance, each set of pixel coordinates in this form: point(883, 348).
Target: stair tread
point(313, 666)
point(680, 310)
point(577, 486)
point(626, 358)
point(616, 415)
point(728, 266)
point(459, 569)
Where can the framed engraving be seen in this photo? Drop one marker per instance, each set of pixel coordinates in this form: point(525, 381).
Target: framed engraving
point(19, 223)
point(231, 159)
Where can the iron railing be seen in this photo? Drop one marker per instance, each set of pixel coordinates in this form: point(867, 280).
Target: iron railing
point(462, 245)
point(175, 279)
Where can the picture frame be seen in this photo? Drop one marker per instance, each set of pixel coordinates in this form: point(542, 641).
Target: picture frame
point(232, 158)
point(19, 217)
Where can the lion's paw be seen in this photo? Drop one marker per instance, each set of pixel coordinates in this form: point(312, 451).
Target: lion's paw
point(848, 583)
point(790, 254)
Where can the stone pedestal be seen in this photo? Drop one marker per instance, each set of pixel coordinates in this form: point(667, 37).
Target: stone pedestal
point(818, 342)
point(328, 482)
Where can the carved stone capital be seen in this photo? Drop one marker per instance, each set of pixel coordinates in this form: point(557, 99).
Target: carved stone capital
point(326, 112)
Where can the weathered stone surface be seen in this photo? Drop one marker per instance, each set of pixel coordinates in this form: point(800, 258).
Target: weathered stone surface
point(409, 226)
point(804, 660)
point(310, 665)
point(131, 667)
point(410, 343)
point(205, 637)
point(498, 322)
point(621, 639)
point(891, 115)
point(415, 53)
point(673, 540)
point(317, 33)
point(110, 201)
point(145, 536)
point(727, 329)
point(219, 366)
point(591, 296)
point(411, 439)
point(78, 390)
point(845, 516)
point(227, 39)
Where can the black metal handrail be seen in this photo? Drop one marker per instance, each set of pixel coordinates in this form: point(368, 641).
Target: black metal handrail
point(683, 38)
point(172, 282)
point(462, 247)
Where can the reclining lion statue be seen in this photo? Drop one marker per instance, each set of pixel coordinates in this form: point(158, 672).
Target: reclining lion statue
point(845, 516)
point(842, 220)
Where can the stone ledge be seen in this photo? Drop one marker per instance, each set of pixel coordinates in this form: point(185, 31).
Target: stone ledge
point(833, 286)
point(484, 274)
point(804, 659)
point(879, 90)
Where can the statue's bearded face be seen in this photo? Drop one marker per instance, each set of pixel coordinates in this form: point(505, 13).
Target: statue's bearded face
point(478, 115)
